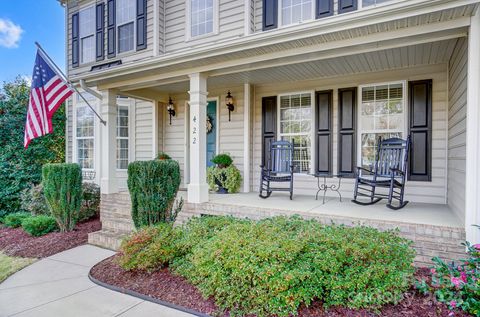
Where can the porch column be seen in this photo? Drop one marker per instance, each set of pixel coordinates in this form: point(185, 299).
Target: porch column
point(108, 143)
point(198, 188)
point(472, 188)
point(247, 106)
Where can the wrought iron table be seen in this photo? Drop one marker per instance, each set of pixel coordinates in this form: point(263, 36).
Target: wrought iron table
point(323, 186)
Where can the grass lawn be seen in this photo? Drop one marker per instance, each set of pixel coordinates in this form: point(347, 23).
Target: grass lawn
point(10, 265)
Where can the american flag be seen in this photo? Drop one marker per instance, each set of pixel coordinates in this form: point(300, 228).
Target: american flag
point(47, 93)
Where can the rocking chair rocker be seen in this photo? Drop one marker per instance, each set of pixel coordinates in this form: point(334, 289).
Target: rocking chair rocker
point(279, 169)
point(389, 171)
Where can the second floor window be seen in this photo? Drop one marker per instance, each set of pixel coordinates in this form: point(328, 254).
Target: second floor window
point(87, 35)
point(296, 11)
point(201, 17)
point(125, 15)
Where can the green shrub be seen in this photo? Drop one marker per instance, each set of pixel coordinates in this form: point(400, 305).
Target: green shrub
point(222, 160)
point(39, 225)
point(150, 249)
point(153, 186)
point(62, 185)
point(163, 156)
point(33, 200)
point(289, 262)
point(14, 220)
point(91, 201)
point(228, 178)
point(3, 213)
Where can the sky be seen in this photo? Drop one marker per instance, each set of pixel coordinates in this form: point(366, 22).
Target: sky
point(22, 22)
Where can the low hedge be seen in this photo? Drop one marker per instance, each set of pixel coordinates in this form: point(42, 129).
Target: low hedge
point(14, 220)
point(39, 225)
point(273, 266)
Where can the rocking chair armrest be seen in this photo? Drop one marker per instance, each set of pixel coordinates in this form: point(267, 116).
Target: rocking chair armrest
point(359, 169)
point(393, 169)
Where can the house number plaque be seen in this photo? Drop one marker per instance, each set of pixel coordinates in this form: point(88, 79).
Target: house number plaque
point(194, 130)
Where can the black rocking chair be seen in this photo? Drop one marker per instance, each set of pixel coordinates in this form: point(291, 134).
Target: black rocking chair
point(389, 171)
point(279, 169)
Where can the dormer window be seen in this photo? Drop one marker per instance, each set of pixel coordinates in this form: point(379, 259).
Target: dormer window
point(125, 15)
point(87, 35)
point(296, 11)
point(202, 17)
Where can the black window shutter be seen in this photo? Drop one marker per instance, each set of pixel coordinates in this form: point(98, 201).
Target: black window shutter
point(270, 14)
point(420, 109)
point(324, 8)
point(75, 41)
point(269, 126)
point(323, 127)
point(347, 5)
point(99, 33)
point(141, 24)
point(111, 28)
point(347, 104)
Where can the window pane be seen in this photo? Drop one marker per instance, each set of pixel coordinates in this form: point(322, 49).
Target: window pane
point(295, 11)
point(125, 37)
point(367, 3)
point(125, 11)
point(201, 17)
point(86, 21)
point(88, 49)
point(85, 122)
point(85, 153)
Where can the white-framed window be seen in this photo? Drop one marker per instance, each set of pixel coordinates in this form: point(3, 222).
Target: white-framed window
point(85, 137)
point(369, 3)
point(126, 11)
point(86, 20)
point(295, 125)
point(382, 114)
point(296, 11)
point(122, 137)
point(202, 16)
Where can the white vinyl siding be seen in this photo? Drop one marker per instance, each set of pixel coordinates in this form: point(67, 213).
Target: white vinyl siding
point(125, 19)
point(296, 11)
point(457, 127)
point(86, 22)
point(122, 137)
point(295, 126)
point(382, 114)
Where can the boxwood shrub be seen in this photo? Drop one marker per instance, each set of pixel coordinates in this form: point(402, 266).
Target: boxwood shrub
point(39, 225)
point(14, 220)
point(273, 266)
point(153, 186)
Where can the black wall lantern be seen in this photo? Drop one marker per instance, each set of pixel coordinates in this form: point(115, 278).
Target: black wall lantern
point(229, 104)
point(171, 109)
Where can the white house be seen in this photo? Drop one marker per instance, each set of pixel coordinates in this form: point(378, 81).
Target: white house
point(322, 61)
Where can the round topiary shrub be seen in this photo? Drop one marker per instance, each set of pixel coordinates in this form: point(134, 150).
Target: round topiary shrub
point(14, 220)
point(62, 185)
point(39, 225)
point(153, 186)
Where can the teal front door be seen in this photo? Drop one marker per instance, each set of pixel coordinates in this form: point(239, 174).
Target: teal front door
point(211, 131)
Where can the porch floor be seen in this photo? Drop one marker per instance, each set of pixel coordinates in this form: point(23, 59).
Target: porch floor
point(413, 213)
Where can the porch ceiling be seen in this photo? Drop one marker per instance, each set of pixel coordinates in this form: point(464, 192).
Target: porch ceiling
point(388, 59)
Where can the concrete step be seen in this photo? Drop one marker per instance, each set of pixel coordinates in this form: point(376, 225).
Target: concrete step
point(107, 239)
point(117, 225)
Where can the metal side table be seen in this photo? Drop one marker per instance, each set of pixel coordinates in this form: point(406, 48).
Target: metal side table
point(324, 186)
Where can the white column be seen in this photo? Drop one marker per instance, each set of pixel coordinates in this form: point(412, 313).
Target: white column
point(247, 99)
point(108, 143)
point(472, 194)
point(198, 188)
point(155, 127)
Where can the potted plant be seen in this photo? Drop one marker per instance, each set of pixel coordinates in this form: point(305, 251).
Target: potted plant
point(224, 177)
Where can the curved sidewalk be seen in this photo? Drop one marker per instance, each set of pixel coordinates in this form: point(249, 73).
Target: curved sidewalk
point(59, 286)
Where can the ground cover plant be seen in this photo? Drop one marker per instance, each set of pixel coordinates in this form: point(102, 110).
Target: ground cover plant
point(275, 266)
point(14, 220)
point(39, 225)
point(10, 265)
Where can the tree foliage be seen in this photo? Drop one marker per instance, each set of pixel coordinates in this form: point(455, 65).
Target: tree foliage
point(21, 168)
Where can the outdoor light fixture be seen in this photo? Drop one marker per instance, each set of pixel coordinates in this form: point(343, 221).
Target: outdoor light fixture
point(229, 104)
point(170, 109)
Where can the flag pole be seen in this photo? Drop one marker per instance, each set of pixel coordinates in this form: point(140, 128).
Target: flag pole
point(65, 78)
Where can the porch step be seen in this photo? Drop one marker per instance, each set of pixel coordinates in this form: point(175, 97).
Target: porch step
point(117, 224)
point(107, 239)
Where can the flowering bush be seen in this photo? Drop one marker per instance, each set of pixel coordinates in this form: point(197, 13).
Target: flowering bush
point(457, 285)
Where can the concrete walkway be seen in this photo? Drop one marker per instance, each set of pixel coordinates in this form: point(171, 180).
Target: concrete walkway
point(59, 286)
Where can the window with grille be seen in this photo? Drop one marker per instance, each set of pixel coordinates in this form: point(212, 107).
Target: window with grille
point(296, 11)
point(201, 17)
point(125, 19)
point(295, 126)
point(85, 135)
point(368, 3)
point(86, 22)
point(382, 115)
point(122, 137)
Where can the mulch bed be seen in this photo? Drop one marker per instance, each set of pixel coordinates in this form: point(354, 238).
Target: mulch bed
point(16, 242)
point(165, 286)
